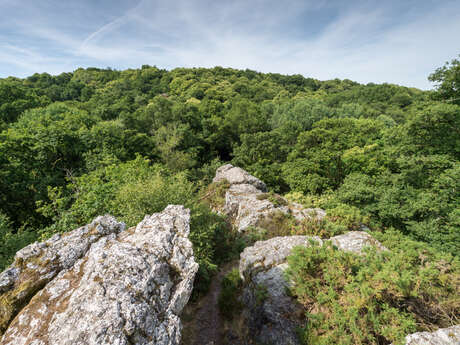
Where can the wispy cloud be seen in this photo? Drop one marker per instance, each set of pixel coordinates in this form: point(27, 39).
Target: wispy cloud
point(379, 42)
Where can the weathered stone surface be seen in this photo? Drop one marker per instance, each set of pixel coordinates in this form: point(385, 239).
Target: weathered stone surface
point(272, 316)
point(356, 241)
point(266, 254)
point(129, 288)
point(443, 336)
point(247, 203)
point(38, 263)
point(235, 175)
point(244, 208)
point(301, 213)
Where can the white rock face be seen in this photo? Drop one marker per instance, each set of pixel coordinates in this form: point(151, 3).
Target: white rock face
point(443, 336)
point(247, 205)
point(128, 288)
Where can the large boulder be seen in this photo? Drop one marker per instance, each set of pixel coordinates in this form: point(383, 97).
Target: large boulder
point(443, 336)
point(272, 316)
point(126, 287)
point(248, 204)
point(37, 264)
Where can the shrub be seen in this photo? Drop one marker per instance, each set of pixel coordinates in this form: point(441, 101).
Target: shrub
point(275, 199)
point(228, 300)
point(339, 219)
point(214, 195)
point(11, 241)
point(133, 189)
point(276, 223)
point(376, 298)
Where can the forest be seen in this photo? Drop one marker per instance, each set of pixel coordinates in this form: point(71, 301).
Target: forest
point(95, 141)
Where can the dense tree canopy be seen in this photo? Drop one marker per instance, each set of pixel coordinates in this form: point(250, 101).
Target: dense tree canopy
point(128, 142)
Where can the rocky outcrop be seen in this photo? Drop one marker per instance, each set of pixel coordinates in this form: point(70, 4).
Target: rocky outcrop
point(444, 336)
point(121, 287)
point(37, 264)
point(271, 314)
point(236, 176)
point(247, 202)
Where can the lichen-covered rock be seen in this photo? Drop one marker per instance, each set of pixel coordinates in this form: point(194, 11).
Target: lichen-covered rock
point(235, 175)
point(35, 265)
point(247, 203)
point(271, 315)
point(301, 213)
point(443, 336)
point(129, 288)
point(266, 254)
point(356, 241)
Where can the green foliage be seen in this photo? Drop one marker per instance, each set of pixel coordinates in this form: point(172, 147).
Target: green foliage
point(213, 243)
point(316, 163)
point(275, 199)
point(262, 154)
point(228, 301)
point(214, 194)
point(261, 294)
point(448, 81)
point(375, 298)
point(12, 241)
point(435, 130)
point(303, 112)
point(131, 190)
point(422, 204)
point(15, 98)
point(276, 223)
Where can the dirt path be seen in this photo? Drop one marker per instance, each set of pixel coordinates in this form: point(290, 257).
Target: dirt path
point(201, 320)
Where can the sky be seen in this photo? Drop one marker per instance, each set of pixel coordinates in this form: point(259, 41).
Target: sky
point(399, 42)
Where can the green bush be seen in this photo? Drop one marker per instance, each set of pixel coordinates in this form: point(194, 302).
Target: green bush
point(374, 298)
point(228, 300)
point(11, 241)
point(276, 223)
point(275, 199)
point(212, 241)
point(214, 194)
point(131, 190)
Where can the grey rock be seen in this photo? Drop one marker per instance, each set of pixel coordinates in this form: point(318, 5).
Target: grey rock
point(243, 207)
point(356, 241)
point(443, 336)
point(128, 288)
point(35, 265)
point(271, 315)
point(235, 175)
point(247, 206)
point(7, 278)
point(266, 254)
point(301, 213)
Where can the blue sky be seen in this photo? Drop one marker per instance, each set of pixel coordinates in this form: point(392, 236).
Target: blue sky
point(367, 41)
